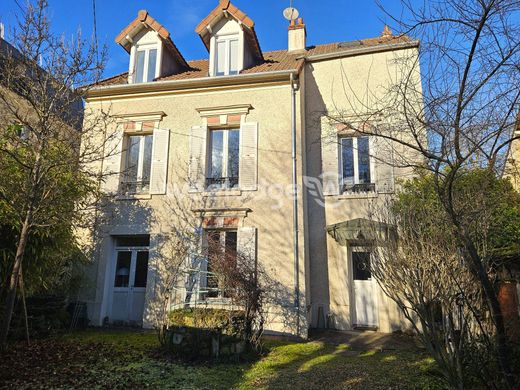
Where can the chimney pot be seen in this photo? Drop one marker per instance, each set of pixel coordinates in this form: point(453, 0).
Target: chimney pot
point(386, 32)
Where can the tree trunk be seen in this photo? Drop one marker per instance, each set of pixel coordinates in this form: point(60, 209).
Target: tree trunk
point(14, 279)
point(24, 306)
point(494, 307)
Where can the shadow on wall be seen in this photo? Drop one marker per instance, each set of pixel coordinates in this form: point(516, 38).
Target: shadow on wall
point(316, 224)
point(182, 217)
point(115, 217)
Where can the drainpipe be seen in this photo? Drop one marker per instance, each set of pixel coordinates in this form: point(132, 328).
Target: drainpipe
point(294, 88)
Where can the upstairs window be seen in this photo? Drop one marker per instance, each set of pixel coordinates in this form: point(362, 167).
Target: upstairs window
point(356, 175)
point(224, 159)
point(226, 57)
point(138, 163)
point(145, 64)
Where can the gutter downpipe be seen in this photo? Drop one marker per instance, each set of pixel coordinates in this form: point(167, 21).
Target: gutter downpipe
point(294, 88)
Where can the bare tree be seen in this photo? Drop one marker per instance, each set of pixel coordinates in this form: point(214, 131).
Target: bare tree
point(460, 114)
point(47, 144)
point(203, 269)
point(417, 261)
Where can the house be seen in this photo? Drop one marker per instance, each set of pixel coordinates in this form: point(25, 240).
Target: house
point(212, 140)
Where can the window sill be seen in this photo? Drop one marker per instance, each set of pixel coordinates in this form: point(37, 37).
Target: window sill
point(134, 197)
point(364, 195)
point(222, 192)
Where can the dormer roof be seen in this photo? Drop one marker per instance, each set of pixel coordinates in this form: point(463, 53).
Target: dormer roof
point(223, 10)
point(145, 21)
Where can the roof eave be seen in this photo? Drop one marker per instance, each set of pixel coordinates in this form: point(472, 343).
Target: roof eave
point(361, 51)
point(211, 81)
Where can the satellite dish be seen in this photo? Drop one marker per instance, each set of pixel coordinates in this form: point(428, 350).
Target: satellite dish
point(290, 13)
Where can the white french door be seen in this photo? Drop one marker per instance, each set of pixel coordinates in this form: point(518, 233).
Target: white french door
point(365, 302)
point(129, 285)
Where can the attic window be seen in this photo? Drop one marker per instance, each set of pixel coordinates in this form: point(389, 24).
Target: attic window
point(226, 55)
point(145, 64)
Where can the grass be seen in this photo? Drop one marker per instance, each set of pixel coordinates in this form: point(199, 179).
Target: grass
point(95, 359)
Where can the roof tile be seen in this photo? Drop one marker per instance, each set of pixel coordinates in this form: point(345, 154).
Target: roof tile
point(277, 60)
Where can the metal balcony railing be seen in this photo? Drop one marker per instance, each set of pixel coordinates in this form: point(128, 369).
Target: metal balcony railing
point(215, 183)
point(198, 287)
point(128, 187)
point(358, 188)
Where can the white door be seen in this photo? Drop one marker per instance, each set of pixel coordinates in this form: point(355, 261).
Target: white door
point(131, 271)
point(365, 304)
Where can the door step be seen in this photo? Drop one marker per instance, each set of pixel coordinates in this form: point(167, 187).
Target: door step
point(365, 327)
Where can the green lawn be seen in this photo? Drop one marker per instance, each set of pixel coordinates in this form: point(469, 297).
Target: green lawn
point(96, 359)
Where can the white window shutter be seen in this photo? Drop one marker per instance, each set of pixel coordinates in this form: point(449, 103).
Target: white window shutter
point(330, 159)
point(112, 162)
point(197, 163)
point(248, 168)
point(159, 169)
point(246, 245)
point(384, 165)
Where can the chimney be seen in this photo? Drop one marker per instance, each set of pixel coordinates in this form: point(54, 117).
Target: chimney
point(297, 35)
point(1, 31)
point(387, 33)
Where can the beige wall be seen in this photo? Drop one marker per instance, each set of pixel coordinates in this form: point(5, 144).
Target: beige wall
point(512, 169)
point(325, 278)
point(352, 85)
point(271, 212)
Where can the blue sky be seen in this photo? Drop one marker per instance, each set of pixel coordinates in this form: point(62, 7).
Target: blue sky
point(326, 20)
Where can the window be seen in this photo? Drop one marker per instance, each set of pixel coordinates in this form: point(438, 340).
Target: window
point(131, 261)
point(226, 56)
point(138, 162)
point(222, 255)
point(223, 159)
point(145, 65)
point(124, 259)
point(361, 265)
point(356, 165)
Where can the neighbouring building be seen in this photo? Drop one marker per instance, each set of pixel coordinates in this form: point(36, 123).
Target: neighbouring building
point(512, 167)
point(211, 141)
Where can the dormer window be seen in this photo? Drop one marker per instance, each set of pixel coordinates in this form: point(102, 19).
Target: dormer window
point(152, 51)
point(230, 38)
point(145, 64)
point(227, 55)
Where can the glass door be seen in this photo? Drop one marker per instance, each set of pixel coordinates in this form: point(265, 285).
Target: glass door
point(129, 285)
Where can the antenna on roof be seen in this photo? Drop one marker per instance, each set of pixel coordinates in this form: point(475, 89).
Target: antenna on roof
point(291, 13)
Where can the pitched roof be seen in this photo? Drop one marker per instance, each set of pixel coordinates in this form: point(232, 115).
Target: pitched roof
point(277, 60)
point(145, 20)
point(226, 8)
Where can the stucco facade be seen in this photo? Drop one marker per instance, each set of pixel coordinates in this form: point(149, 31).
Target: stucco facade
point(279, 93)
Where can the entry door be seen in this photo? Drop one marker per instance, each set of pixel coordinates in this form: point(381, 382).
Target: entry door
point(129, 290)
point(364, 293)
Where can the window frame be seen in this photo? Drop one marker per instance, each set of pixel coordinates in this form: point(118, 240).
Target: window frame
point(134, 249)
point(146, 48)
point(355, 157)
point(227, 39)
point(227, 184)
point(140, 162)
point(221, 295)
